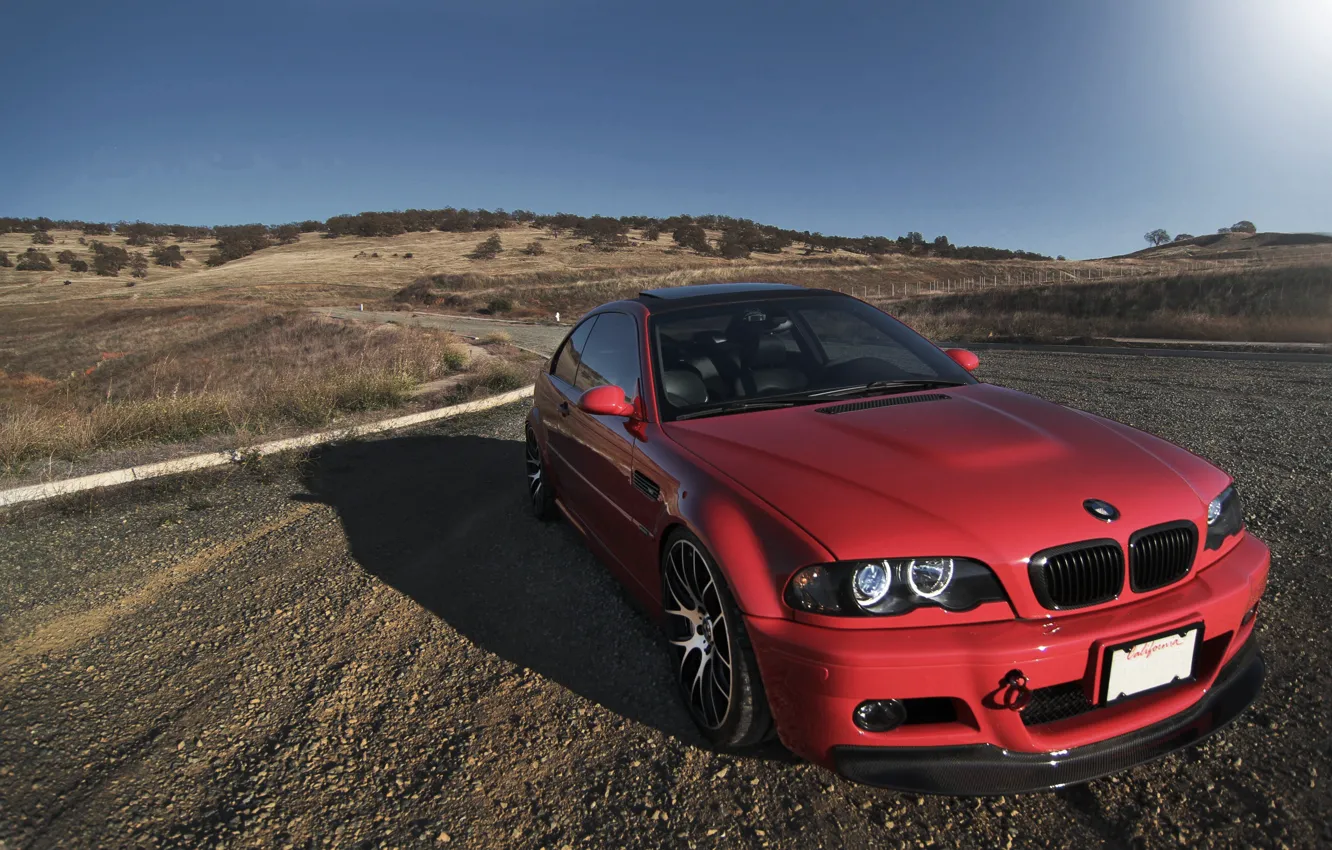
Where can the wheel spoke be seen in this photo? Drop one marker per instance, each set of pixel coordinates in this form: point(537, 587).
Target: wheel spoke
point(700, 633)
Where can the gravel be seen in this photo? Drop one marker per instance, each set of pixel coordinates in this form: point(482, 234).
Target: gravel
point(377, 647)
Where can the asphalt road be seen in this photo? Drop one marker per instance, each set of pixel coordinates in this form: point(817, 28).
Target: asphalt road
point(378, 648)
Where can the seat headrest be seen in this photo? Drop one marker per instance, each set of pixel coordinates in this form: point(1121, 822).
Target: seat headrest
point(769, 353)
point(684, 388)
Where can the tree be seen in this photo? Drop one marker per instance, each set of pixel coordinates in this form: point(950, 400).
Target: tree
point(78, 266)
point(692, 236)
point(534, 248)
point(139, 233)
point(138, 264)
point(108, 260)
point(168, 255)
point(1243, 227)
point(66, 257)
point(487, 249)
point(603, 232)
point(1183, 237)
point(237, 241)
point(651, 233)
point(1156, 237)
point(41, 237)
point(733, 245)
point(286, 234)
point(33, 260)
point(1223, 230)
point(5, 262)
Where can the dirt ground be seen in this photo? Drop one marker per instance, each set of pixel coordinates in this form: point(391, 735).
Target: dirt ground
point(377, 647)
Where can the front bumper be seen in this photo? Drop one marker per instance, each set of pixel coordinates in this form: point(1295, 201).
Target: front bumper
point(815, 677)
point(984, 769)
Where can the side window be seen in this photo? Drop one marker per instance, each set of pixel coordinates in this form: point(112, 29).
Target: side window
point(566, 362)
point(611, 355)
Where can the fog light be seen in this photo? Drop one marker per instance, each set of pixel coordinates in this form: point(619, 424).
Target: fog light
point(879, 715)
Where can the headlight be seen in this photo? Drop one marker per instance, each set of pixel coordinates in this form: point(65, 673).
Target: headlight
point(1225, 517)
point(893, 586)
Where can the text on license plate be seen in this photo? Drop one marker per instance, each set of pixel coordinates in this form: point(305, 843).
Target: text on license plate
point(1151, 663)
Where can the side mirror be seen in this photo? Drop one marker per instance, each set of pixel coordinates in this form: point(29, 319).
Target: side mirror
point(963, 358)
point(605, 401)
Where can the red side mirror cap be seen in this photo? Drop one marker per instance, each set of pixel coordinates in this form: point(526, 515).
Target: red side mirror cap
point(605, 401)
point(963, 358)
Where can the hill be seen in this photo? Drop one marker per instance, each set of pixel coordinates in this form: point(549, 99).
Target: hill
point(1233, 246)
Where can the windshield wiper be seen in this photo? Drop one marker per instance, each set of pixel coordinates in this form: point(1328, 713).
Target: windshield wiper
point(739, 407)
point(876, 387)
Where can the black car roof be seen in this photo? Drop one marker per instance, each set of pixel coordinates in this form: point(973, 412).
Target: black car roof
point(719, 293)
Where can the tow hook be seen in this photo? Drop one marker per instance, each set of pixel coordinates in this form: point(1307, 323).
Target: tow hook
point(1016, 693)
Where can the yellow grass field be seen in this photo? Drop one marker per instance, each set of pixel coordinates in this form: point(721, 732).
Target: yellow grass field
point(316, 271)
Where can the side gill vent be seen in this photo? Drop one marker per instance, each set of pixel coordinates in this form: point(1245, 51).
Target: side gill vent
point(646, 485)
point(888, 401)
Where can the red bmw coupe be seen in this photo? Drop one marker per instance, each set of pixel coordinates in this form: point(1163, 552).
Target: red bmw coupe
point(916, 579)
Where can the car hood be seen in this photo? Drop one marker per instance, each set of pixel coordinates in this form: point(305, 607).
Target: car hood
point(985, 472)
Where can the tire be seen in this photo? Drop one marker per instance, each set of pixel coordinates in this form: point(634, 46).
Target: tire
point(713, 655)
point(540, 493)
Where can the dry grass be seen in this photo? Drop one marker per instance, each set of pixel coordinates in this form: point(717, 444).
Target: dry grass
point(1276, 305)
point(491, 377)
point(316, 270)
point(171, 373)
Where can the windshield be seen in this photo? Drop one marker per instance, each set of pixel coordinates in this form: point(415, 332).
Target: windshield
point(729, 356)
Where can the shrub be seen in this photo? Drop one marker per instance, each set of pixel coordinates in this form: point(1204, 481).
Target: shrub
point(499, 305)
point(534, 248)
point(489, 378)
point(96, 230)
point(138, 264)
point(487, 249)
point(5, 262)
point(168, 255)
point(407, 256)
point(1183, 237)
point(78, 266)
point(108, 260)
point(66, 257)
point(41, 237)
point(651, 233)
point(33, 260)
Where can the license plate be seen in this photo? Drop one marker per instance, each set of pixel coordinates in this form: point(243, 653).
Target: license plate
point(1149, 663)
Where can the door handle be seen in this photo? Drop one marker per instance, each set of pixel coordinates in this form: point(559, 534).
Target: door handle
point(564, 408)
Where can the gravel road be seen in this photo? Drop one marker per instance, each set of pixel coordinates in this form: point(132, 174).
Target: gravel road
point(376, 647)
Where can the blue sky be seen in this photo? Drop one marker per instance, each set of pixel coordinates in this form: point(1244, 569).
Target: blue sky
point(1061, 127)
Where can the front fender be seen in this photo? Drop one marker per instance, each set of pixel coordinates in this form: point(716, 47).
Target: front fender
point(756, 546)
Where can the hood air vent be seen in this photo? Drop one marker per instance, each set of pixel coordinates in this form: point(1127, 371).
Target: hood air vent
point(888, 401)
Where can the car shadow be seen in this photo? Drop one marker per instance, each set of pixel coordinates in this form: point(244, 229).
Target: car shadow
point(444, 520)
